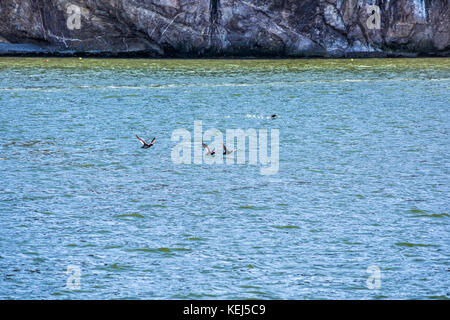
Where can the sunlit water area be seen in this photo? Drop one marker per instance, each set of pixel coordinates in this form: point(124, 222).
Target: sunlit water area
point(362, 188)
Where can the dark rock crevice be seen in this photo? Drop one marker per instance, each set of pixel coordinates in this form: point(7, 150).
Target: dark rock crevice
point(214, 9)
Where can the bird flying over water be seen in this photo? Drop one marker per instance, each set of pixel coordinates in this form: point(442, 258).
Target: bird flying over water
point(146, 145)
point(209, 152)
point(226, 151)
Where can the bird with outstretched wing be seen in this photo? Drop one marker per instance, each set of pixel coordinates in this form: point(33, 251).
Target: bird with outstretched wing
point(146, 145)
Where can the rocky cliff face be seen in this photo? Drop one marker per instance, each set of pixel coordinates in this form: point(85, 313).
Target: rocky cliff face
point(190, 28)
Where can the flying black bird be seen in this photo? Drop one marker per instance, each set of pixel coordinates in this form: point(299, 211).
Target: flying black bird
point(226, 151)
point(209, 152)
point(146, 145)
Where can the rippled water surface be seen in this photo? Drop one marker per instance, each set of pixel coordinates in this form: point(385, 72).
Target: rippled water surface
point(363, 179)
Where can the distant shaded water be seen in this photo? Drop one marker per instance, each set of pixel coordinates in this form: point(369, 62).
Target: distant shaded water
point(363, 180)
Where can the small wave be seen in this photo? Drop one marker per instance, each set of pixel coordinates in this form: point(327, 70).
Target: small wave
point(195, 239)
point(159, 249)
point(286, 227)
point(407, 244)
point(253, 208)
point(209, 85)
point(116, 267)
point(132, 215)
point(434, 215)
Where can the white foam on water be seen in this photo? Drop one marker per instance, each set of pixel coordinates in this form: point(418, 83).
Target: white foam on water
point(257, 116)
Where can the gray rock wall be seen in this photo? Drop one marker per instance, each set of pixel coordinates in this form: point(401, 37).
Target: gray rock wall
point(188, 28)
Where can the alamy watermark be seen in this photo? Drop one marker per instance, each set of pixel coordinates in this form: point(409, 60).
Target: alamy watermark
point(74, 19)
point(73, 281)
point(374, 20)
point(218, 152)
point(374, 280)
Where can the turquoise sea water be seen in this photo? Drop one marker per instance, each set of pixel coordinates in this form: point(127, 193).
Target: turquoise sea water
point(363, 180)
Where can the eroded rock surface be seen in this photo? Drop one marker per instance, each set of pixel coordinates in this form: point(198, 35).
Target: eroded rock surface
point(190, 28)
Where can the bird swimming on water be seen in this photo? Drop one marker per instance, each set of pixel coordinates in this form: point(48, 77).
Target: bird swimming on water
point(146, 145)
point(209, 152)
